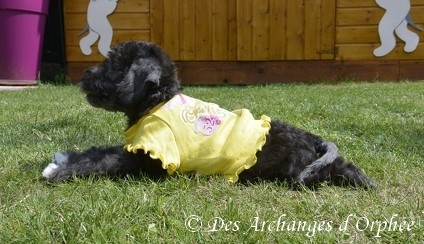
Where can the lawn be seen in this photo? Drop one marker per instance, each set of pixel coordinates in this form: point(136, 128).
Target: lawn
point(379, 126)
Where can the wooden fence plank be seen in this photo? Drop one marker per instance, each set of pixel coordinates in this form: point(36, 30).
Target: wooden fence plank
point(127, 6)
point(232, 29)
point(126, 35)
point(244, 29)
point(357, 34)
point(277, 28)
point(130, 21)
point(260, 29)
point(359, 16)
point(411, 70)
point(295, 30)
point(156, 21)
point(328, 28)
point(220, 30)
point(356, 3)
point(203, 29)
point(171, 28)
point(188, 30)
point(417, 14)
point(312, 44)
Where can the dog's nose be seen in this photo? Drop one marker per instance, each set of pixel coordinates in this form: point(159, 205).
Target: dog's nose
point(90, 71)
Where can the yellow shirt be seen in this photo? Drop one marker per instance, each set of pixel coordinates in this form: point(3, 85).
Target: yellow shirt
point(189, 135)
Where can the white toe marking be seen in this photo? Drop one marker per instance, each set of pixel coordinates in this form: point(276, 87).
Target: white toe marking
point(50, 170)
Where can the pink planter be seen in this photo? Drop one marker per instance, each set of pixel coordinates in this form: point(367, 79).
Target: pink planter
point(21, 39)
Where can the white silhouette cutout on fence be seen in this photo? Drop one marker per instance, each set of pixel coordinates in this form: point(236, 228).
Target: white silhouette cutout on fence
point(98, 26)
point(395, 21)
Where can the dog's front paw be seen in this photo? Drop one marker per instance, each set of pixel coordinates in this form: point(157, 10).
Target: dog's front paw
point(59, 158)
point(50, 171)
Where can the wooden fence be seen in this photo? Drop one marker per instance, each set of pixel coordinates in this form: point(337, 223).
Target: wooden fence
point(229, 30)
point(249, 41)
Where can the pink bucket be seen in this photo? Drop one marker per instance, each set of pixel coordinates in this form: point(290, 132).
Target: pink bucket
point(22, 25)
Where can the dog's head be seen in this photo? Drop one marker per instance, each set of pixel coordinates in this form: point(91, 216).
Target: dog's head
point(133, 78)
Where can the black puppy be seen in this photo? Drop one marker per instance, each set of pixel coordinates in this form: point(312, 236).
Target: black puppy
point(138, 79)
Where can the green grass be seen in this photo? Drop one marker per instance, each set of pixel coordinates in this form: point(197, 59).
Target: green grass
point(379, 126)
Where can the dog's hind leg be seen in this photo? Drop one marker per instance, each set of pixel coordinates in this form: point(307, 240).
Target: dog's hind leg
point(109, 161)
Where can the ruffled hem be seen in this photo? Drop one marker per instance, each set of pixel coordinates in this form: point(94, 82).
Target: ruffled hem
point(266, 124)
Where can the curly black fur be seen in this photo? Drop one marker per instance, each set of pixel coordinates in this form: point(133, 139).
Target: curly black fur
point(136, 76)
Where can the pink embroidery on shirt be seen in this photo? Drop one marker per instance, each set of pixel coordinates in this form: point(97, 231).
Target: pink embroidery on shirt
point(207, 124)
point(183, 101)
point(174, 102)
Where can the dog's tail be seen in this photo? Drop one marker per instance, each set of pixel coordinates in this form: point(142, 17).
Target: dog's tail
point(329, 153)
